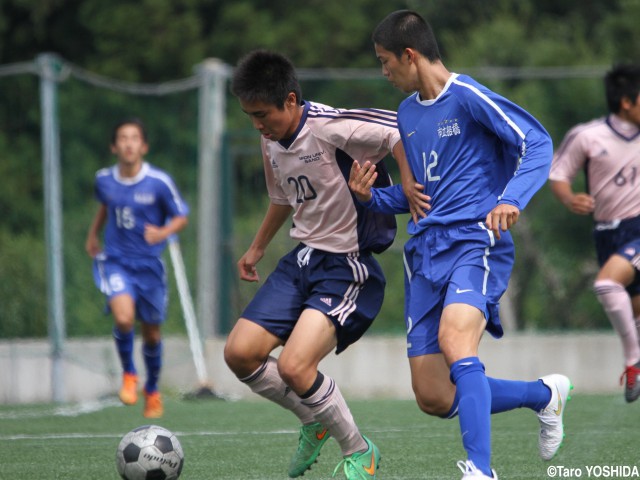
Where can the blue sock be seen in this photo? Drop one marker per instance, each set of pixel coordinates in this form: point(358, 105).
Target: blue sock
point(474, 410)
point(124, 345)
point(153, 361)
point(509, 394)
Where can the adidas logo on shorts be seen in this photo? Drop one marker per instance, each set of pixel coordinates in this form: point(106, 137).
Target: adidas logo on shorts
point(326, 301)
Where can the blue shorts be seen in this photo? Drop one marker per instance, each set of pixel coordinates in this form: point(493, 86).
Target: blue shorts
point(463, 263)
point(621, 238)
point(347, 288)
point(143, 279)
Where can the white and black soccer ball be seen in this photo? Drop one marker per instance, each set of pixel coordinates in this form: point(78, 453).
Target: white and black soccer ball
point(149, 452)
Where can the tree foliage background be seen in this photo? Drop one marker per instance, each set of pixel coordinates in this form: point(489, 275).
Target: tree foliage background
point(153, 41)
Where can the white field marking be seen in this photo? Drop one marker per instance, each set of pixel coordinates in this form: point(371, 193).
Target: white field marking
point(179, 434)
point(84, 436)
point(73, 410)
point(86, 407)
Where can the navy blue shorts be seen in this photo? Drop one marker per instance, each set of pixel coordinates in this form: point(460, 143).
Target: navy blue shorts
point(347, 288)
point(143, 279)
point(622, 238)
point(453, 264)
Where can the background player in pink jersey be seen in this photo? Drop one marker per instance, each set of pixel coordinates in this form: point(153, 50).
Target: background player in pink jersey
point(607, 149)
point(326, 292)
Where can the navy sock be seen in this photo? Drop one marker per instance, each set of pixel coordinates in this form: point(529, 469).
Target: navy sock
point(153, 361)
point(124, 345)
point(474, 410)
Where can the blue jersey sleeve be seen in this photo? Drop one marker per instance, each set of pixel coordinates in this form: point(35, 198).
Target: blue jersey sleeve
point(523, 138)
point(173, 203)
point(390, 200)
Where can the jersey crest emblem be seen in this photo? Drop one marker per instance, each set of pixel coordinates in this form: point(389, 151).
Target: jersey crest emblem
point(144, 198)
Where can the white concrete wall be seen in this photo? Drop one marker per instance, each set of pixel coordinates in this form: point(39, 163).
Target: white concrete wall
point(375, 366)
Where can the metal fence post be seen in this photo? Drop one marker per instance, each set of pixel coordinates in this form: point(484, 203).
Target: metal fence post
point(211, 124)
point(49, 67)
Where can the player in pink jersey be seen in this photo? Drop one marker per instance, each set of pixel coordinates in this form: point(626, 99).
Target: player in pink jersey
point(607, 149)
point(326, 292)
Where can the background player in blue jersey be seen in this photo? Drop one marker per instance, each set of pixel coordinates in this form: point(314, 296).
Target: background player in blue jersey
point(325, 293)
point(141, 208)
point(480, 158)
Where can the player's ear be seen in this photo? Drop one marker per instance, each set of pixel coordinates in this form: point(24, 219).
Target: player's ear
point(409, 55)
point(626, 103)
point(292, 99)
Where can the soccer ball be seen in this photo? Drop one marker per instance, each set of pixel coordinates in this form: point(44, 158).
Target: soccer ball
point(149, 452)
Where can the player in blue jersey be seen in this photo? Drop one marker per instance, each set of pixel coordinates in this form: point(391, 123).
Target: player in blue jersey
point(479, 158)
point(141, 208)
point(325, 293)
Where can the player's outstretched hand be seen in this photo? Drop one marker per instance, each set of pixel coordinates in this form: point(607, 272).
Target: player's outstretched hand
point(502, 217)
point(361, 179)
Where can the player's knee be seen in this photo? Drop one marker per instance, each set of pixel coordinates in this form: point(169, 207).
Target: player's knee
point(241, 361)
point(432, 399)
point(296, 375)
point(602, 286)
point(289, 372)
point(124, 323)
point(432, 404)
point(233, 357)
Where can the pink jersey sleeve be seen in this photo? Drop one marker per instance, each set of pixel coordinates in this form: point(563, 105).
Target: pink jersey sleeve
point(364, 134)
point(607, 150)
point(571, 156)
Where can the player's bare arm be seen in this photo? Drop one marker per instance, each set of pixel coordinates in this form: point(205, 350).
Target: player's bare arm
point(418, 201)
point(92, 245)
point(154, 234)
point(274, 219)
point(578, 203)
point(502, 217)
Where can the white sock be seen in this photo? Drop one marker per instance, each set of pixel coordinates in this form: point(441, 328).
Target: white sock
point(617, 304)
point(331, 410)
point(267, 382)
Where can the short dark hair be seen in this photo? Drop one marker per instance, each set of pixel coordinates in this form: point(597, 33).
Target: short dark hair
point(406, 29)
point(623, 80)
point(265, 76)
point(129, 121)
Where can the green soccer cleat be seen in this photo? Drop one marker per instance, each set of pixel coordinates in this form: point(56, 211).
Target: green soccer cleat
point(361, 466)
point(312, 438)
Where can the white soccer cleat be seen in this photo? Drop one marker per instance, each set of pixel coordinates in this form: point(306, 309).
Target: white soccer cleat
point(551, 427)
point(470, 471)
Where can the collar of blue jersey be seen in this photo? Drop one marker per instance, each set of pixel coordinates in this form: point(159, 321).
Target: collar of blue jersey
point(442, 92)
point(286, 142)
point(130, 180)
